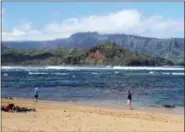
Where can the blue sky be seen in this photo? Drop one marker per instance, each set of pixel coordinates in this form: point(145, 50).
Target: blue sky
point(45, 18)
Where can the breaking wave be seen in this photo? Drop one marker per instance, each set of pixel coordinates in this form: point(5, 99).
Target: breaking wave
point(29, 68)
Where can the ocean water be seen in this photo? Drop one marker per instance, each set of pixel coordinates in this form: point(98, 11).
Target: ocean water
point(150, 86)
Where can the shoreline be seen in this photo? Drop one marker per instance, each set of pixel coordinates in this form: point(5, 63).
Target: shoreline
point(136, 107)
point(52, 115)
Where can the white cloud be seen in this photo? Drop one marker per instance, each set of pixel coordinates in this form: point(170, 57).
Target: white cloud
point(125, 21)
point(22, 32)
point(112, 23)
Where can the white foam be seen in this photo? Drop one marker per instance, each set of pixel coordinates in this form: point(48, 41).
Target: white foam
point(29, 68)
point(61, 73)
point(94, 73)
point(37, 73)
point(24, 68)
point(76, 68)
point(148, 68)
point(178, 73)
point(165, 73)
point(5, 74)
point(7, 67)
point(151, 72)
point(59, 67)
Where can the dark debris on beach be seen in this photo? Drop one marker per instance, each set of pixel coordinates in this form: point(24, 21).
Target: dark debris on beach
point(12, 108)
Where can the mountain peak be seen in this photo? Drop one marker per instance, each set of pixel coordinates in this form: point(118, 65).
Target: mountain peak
point(172, 48)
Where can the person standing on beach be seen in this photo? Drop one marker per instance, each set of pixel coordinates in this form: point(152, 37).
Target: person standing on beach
point(129, 99)
point(36, 94)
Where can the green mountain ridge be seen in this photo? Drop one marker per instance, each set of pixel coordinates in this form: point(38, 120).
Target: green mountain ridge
point(168, 48)
point(103, 54)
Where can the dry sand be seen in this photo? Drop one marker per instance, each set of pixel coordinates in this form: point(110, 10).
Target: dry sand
point(53, 116)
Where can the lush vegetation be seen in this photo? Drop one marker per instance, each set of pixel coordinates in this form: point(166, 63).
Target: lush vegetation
point(171, 49)
point(103, 54)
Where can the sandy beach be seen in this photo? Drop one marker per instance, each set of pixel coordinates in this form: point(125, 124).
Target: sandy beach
point(55, 116)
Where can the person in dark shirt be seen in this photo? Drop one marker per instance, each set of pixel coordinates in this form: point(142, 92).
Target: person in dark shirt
point(129, 99)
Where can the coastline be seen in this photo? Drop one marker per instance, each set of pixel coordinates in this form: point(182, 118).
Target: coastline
point(60, 116)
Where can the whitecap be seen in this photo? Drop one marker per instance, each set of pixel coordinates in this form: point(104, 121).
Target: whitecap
point(5, 74)
point(151, 72)
point(178, 73)
point(61, 73)
point(116, 72)
point(166, 73)
point(147, 68)
point(29, 68)
point(37, 73)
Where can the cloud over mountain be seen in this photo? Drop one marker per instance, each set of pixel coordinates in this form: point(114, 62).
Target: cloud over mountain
point(124, 21)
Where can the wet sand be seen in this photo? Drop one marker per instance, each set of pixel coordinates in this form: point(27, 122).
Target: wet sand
point(56, 116)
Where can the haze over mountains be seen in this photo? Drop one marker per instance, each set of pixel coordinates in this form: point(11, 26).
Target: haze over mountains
point(171, 49)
